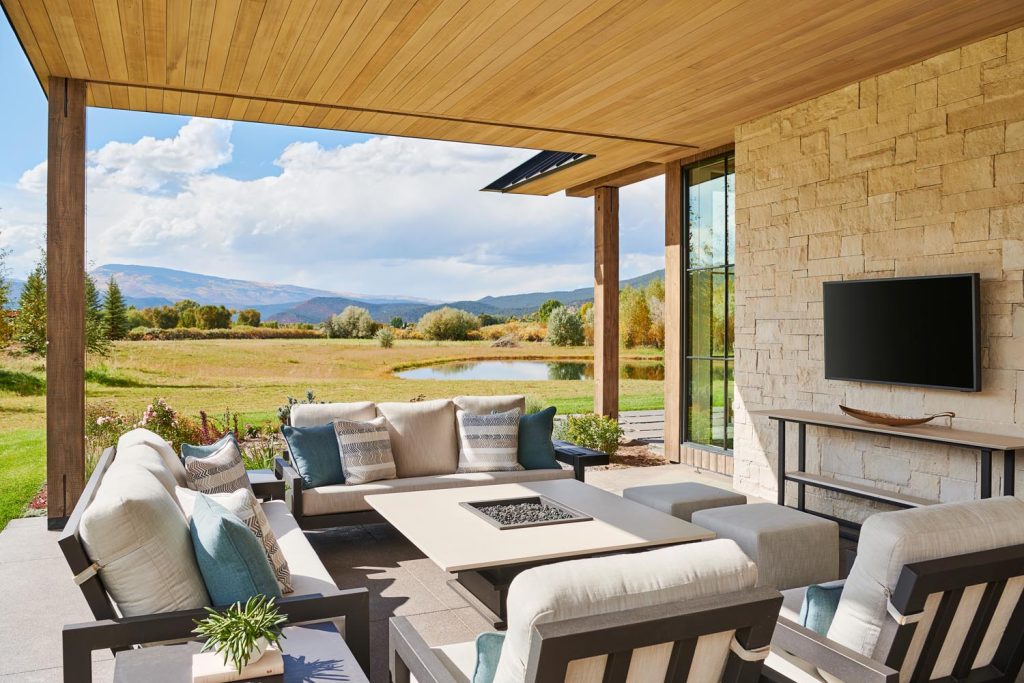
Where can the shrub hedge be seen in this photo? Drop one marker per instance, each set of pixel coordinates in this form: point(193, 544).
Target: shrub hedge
point(237, 332)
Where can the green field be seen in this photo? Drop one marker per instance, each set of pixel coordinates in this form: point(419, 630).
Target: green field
point(254, 377)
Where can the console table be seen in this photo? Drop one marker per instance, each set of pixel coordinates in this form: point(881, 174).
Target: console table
point(984, 444)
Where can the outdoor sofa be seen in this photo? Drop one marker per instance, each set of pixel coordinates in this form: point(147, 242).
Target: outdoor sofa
point(425, 445)
point(146, 563)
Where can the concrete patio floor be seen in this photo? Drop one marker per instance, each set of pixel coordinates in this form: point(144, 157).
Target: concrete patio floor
point(41, 596)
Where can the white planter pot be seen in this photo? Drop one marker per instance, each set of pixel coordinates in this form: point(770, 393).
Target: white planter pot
point(259, 648)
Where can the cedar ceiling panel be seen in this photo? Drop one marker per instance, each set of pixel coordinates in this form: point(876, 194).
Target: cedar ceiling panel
point(629, 81)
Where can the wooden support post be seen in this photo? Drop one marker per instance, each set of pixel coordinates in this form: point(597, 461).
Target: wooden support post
point(65, 299)
point(606, 301)
point(673, 311)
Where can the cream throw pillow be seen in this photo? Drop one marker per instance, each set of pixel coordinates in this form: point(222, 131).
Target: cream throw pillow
point(365, 450)
point(243, 504)
point(489, 443)
point(222, 472)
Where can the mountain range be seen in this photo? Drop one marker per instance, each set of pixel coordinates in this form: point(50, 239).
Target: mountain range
point(145, 286)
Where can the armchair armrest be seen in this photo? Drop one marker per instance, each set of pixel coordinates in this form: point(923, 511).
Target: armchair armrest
point(81, 639)
point(838, 660)
point(578, 457)
point(284, 470)
point(408, 653)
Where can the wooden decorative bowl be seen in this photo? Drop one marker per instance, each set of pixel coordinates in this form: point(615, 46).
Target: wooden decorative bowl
point(892, 420)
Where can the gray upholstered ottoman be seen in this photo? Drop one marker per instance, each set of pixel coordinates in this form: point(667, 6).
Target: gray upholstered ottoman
point(683, 499)
point(789, 547)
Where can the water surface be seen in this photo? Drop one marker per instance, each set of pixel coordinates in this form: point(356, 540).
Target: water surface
point(530, 370)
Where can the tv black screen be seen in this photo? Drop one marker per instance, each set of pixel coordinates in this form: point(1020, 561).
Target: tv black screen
point(919, 331)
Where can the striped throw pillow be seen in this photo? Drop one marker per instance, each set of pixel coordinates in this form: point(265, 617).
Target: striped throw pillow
point(222, 472)
point(489, 443)
point(365, 450)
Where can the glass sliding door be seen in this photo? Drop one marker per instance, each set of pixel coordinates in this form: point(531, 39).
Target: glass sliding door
point(708, 302)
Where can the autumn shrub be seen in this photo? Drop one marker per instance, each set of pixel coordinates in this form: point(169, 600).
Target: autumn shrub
point(386, 337)
point(565, 328)
point(524, 331)
point(448, 324)
point(237, 332)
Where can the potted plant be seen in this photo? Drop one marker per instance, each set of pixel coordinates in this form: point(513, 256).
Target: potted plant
point(242, 633)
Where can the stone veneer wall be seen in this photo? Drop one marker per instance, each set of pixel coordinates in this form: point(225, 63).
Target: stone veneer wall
point(918, 171)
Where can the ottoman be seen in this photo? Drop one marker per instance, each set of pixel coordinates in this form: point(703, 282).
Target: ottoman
point(790, 548)
point(683, 499)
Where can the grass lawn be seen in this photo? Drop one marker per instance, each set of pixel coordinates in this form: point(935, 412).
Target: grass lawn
point(254, 377)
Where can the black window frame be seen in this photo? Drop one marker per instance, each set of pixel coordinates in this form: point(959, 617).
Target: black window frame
point(729, 159)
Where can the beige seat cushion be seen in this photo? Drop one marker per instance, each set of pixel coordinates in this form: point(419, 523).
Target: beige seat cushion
point(145, 456)
point(158, 443)
point(138, 535)
point(313, 414)
point(326, 500)
point(485, 405)
point(600, 585)
point(423, 437)
point(890, 540)
point(459, 659)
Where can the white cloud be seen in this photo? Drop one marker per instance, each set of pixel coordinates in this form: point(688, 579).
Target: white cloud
point(389, 215)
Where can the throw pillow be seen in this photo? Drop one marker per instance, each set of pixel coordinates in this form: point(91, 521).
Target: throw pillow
point(243, 504)
point(488, 443)
point(201, 451)
point(820, 604)
point(488, 650)
point(315, 454)
point(221, 472)
point(536, 452)
point(230, 557)
point(365, 450)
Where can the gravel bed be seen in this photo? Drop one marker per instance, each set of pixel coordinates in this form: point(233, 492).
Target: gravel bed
point(524, 513)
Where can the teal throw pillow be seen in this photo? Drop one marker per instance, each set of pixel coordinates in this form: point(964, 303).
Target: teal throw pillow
point(314, 452)
point(190, 451)
point(536, 452)
point(230, 557)
point(488, 650)
point(820, 604)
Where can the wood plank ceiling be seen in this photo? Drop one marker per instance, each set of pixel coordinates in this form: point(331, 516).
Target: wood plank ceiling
point(631, 82)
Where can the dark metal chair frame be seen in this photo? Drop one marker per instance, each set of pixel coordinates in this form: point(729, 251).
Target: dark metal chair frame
point(577, 457)
point(120, 633)
point(752, 613)
point(948, 576)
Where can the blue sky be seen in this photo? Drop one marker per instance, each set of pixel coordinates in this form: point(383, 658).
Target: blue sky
point(345, 212)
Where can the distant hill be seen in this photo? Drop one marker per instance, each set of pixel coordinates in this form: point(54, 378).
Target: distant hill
point(15, 292)
point(146, 286)
point(320, 308)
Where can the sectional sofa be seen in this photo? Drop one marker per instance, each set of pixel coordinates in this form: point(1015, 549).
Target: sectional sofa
point(127, 543)
point(425, 445)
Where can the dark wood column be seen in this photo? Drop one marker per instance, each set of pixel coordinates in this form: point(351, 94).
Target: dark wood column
point(65, 298)
point(673, 310)
point(606, 301)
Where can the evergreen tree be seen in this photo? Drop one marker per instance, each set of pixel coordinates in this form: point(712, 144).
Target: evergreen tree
point(6, 329)
point(96, 335)
point(115, 312)
point(30, 325)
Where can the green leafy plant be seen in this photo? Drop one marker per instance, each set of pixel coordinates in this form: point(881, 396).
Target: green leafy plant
point(259, 454)
point(236, 631)
point(447, 324)
point(591, 431)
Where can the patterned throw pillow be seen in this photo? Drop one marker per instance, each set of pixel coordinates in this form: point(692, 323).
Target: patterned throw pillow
point(245, 506)
point(222, 472)
point(489, 443)
point(365, 450)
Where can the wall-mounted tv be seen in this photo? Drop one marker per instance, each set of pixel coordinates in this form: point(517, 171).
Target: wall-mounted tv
point(916, 331)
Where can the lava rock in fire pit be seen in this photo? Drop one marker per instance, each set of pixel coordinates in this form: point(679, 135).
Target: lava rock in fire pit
point(525, 513)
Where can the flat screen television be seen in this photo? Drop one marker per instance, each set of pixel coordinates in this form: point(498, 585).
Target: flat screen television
point(915, 331)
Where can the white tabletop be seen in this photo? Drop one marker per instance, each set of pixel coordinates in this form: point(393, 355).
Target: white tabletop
point(458, 540)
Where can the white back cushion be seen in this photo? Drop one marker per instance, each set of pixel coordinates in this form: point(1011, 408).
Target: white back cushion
point(601, 585)
point(890, 540)
point(313, 414)
point(145, 456)
point(423, 439)
point(157, 442)
point(137, 534)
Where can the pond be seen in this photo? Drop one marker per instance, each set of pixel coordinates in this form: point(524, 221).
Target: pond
point(531, 370)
